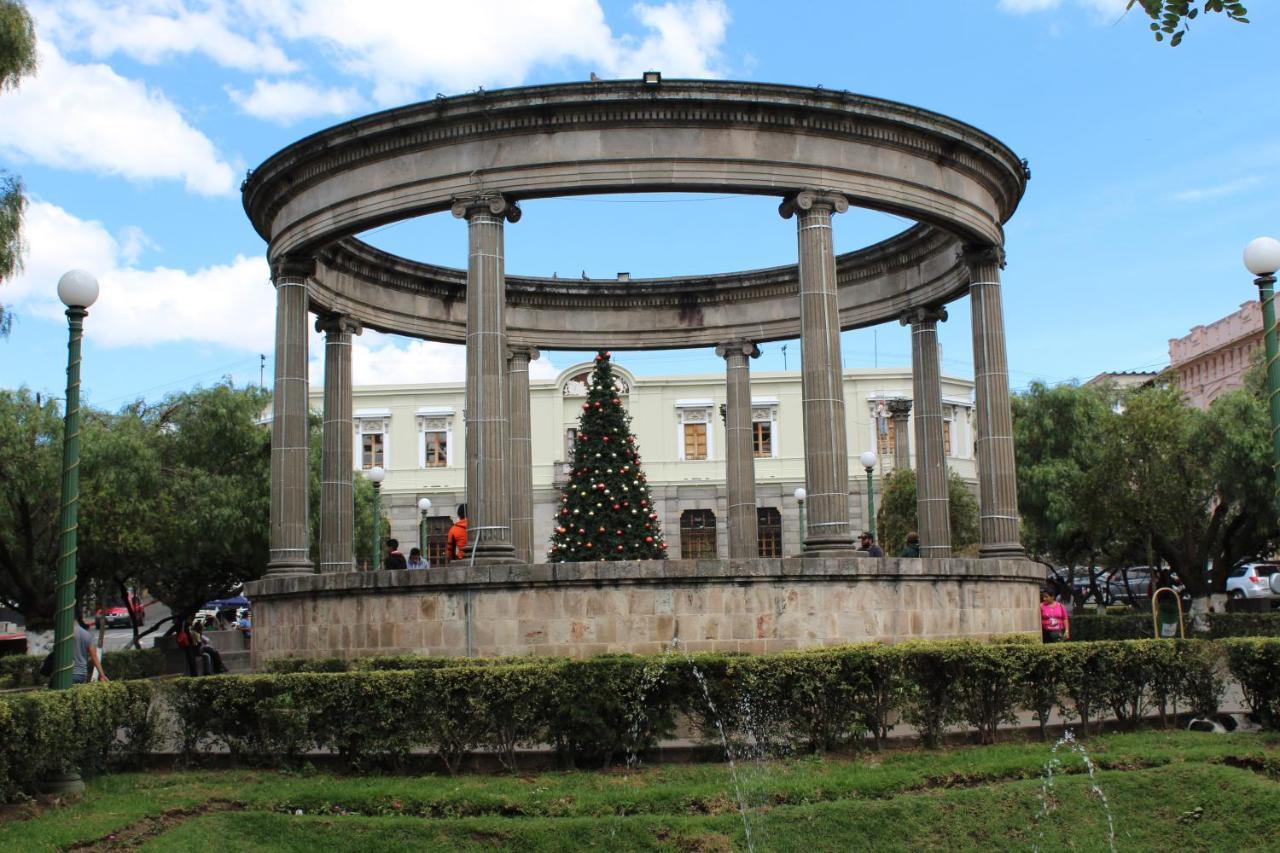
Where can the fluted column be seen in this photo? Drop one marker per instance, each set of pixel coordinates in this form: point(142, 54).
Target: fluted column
point(826, 451)
point(290, 548)
point(337, 492)
point(933, 504)
point(997, 483)
point(488, 505)
point(900, 412)
point(520, 454)
point(740, 463)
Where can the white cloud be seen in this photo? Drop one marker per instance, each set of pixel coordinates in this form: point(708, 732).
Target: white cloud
point(229, 304)
point(153, 31)
point(288, 101)
point(1104, 11)
point(1226, 188)
point(89, 118)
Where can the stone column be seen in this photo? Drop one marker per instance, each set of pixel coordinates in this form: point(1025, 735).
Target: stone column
point(337, 493)
point(290, 537)
point(997, 483)
point(826, 451)
point(740, 463)
point(520, 451)
point(900, 411)
point(488, 506)
point(933, 504)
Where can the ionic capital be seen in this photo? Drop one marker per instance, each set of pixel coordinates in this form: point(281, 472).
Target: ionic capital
point(738, 346)
point(525, 352)
point(290, 267)
point(924, 314)
point(805, 200)
point(899, 408)
point(495, 204)
point(338, 324)
point(977, 255)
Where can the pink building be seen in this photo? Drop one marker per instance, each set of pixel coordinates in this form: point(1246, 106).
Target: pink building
point(1212, 360)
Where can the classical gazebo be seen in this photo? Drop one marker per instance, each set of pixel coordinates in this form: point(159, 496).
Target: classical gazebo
point(478, 155)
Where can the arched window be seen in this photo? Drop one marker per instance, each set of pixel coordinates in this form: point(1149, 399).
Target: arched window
point(697, 534)
point(769, 531)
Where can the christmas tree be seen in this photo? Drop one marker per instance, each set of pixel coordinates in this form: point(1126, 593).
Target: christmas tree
point(606, 511)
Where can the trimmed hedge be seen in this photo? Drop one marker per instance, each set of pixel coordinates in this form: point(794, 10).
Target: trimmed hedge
point(612, 708)
point(1137, 626)
point(125, 665)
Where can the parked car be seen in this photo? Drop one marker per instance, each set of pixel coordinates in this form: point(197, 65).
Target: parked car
point(1252, 580)
point(1139, 584)
point(115, 614)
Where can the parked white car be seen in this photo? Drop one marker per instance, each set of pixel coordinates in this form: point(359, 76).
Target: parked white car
point(1253, 580)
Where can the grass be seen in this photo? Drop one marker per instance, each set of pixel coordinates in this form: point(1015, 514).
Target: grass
point(1164, 789)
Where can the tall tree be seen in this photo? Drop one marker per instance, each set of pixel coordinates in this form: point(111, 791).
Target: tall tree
point(606, 510)
point(897, 516)
point(30, 467)
point(17, 59)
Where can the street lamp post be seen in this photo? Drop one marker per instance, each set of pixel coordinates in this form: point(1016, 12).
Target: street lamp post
point(1262, 258)
point(868, 460)
point(800, 496)
point(376, 475)
point(77, 290)
point(424, 505)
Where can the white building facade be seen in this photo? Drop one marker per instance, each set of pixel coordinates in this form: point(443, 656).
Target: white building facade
point(415, 432)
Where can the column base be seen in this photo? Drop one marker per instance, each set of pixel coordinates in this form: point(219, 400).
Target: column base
point(1002, 551)
point(935, 551)
point(286, 568)
point(829, 546)
point(493, 554)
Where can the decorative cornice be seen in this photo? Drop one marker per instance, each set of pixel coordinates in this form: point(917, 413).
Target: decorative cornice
point(491, 203)
point(924, 314)
point(975, 255)
point(290, 267)
point(528, 353)
point(738, 346)
point(899, 407)
point(338, 324)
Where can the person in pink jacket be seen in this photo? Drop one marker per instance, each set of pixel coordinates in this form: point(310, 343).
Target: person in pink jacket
point(1055, 623)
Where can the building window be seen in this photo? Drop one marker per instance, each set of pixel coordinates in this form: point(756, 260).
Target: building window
point(570, 442)
point(435, 438)
point(948, 424)
point(764, 429)
point(886, 436)
point(769, 532)
point(697, 534)
point(695, 441)
point(693, 436)
point(435, 449)
point(372, 445)
point(437, 534)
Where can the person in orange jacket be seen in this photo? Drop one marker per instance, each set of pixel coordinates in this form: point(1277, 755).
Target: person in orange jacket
point(456, 544)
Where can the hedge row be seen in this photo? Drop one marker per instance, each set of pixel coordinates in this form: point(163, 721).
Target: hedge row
point(1137, 626)
point(125, 665)
point(605, 709)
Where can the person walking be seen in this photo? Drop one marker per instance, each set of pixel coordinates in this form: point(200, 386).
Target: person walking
point(1055, 623)
point(455, 545)
point(84, 655)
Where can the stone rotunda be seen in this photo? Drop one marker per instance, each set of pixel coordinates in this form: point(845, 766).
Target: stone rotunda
point(477, 156)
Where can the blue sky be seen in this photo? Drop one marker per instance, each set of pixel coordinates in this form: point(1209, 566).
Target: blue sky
point(1151, 167)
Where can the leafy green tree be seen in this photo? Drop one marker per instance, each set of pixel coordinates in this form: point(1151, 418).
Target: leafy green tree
point(896, 515)
point(606, 510)
point(1057, 435)
point(1172, 17)
point(17, 60)
point(30, 471)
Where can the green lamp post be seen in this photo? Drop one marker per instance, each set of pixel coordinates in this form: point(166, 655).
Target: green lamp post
point(801, 494)
point(1262, 258)
point(376, 475)
point(868, 460)
point(77, 290)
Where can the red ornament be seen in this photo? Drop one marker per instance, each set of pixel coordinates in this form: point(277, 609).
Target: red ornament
point(619, 547)
point(616, 401)
point(586, 406)
point(615, 506)
point(589, 545)
point(648, 539)
point(607, 354)
point(602, 530)
point(606, 438)
point(664, 545)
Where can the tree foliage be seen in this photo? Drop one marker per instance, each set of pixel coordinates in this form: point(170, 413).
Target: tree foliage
point(1172, 17)
point(606, 510)
point(17, 60)
point(897, 514)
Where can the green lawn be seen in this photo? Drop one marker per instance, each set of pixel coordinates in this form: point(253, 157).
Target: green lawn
point(1166, 791)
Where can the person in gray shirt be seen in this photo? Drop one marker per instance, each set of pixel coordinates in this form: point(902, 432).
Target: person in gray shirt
point(84, 655)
